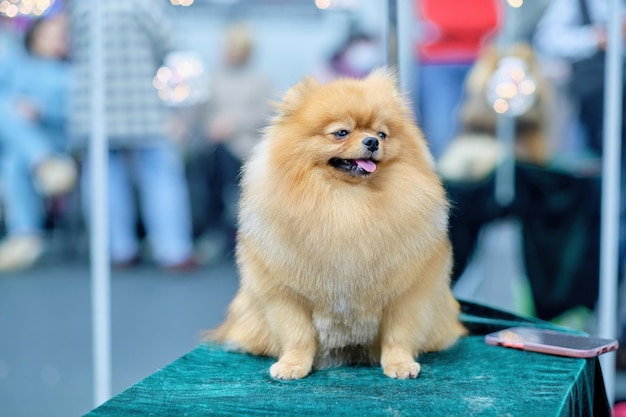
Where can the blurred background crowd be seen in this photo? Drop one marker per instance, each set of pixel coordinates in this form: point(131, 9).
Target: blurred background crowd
point(188, 87)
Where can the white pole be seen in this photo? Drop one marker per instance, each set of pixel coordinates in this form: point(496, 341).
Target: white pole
point(392, 34)
point(611, 192)
point(504, 182)
point(406, 29)
point(100, 273)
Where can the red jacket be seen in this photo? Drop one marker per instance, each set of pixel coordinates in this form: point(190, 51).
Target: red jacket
point(455, 30)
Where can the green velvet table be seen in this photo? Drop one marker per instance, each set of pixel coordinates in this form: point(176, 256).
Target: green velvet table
point(469, 379)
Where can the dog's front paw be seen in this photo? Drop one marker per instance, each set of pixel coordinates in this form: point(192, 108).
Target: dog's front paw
point(284, 370)
point(405, 370)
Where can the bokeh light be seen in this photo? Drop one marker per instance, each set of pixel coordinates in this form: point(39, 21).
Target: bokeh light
point(337, 4)
point(14, 8)
point(181, 2)
point(182, 80)
point(323, 4)
point(511, 90)
point(515, 3)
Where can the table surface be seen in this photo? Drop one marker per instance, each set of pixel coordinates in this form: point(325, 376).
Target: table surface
point(469, 379)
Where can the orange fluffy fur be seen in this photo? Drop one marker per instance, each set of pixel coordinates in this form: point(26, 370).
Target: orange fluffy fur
point(339, 266)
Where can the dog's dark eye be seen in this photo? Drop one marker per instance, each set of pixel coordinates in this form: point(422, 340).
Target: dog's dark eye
point(340, 134)
point(382, 135)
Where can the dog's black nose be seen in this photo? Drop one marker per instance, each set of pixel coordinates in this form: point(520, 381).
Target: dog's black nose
point(370, 143)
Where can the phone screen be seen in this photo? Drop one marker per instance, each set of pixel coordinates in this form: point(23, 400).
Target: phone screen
point(551, 342)
point(552, 338)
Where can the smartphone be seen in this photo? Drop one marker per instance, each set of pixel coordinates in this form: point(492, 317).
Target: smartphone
point(551, 341)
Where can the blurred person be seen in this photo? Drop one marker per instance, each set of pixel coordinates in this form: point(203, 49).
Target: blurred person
point(137, 37)
point(356, 57)
point(563, 33)
point(575, 31)
point(452, 36)
point(232, 118)
point(33, 114)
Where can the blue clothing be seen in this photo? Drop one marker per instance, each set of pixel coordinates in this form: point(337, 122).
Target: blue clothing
point(163, 198)
point(440, 92)
point(45, 82)
point(24, 142)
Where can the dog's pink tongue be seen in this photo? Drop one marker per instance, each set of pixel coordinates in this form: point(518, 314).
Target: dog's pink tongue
point(369, 166)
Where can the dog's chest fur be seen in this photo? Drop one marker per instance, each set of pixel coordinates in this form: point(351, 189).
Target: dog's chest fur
point(343, 324)
point(345, 331)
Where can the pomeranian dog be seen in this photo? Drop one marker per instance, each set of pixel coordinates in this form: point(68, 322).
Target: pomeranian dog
point(342, 246)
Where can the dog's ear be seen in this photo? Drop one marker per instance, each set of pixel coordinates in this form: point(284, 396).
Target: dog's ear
point(386, 80)
point(296, 94)
point(384, 77)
